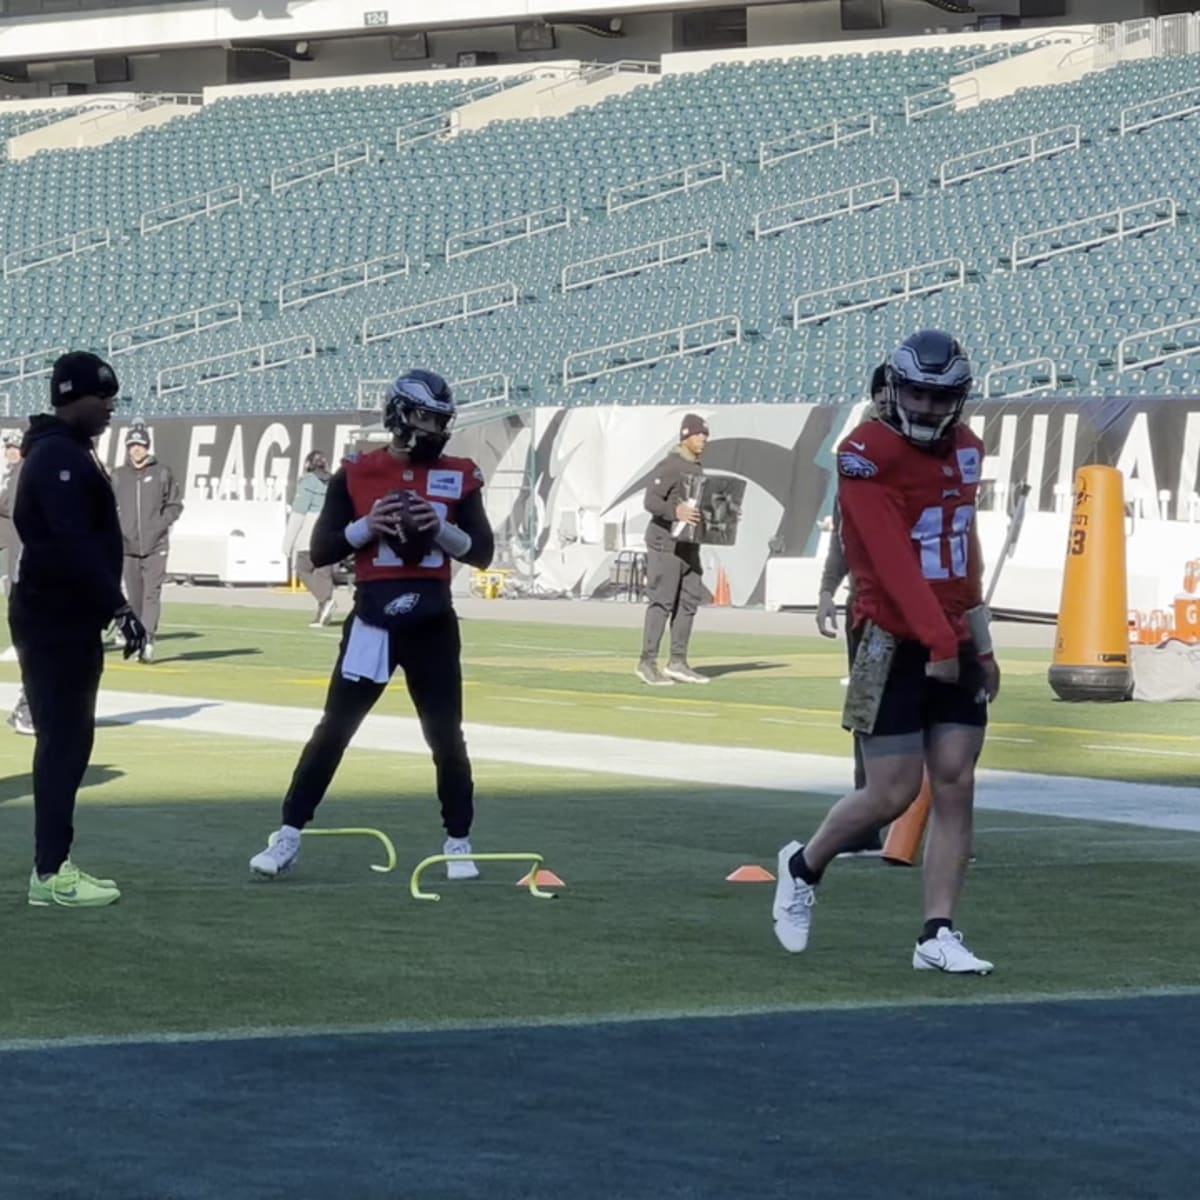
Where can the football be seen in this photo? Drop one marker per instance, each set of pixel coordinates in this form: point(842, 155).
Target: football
point(409, 543)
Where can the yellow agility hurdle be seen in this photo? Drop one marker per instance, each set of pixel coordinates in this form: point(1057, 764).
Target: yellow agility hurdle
point(388, 847)
point(535, 861)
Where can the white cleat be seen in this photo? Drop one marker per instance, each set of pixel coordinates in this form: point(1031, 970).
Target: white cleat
point(946, 952)
point(281, 854)
point(324, 615)
point(462, 869)
point(794, 900)
point(147, 653)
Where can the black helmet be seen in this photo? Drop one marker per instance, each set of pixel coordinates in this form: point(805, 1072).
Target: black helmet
point(419, 413)
point(936, 364)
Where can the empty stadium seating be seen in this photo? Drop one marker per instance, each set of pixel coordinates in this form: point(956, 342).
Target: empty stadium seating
point(1074, 308)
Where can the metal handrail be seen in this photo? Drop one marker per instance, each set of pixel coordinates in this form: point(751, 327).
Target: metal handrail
point(368, 277)
point(1118, 214)
point(344, 157)
point(690, 179)
point(205, 204)
point(1032, 155)
point(994, 372)
point(837, 138)
point(851, 205)
point(456, 244)
point(1123, 363)
point(1125, 126)
point(308, 352)
point(504, 295)
point(904, 274)
point(969, 82)
point(77, 245)
point(46, 356)
point(661, 259)
point(229, 312)
point(676, 331)
point(448, 122)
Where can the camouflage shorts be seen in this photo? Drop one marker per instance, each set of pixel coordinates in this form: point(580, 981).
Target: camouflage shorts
point(869, 675)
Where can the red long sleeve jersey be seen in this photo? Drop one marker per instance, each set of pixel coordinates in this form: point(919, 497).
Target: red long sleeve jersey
point(908, 528)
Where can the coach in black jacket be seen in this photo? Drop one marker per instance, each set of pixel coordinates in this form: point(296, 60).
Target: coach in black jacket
point(67, 589)
point(673, 559)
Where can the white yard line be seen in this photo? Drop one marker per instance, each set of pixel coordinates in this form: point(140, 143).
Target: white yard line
point(1154, 805)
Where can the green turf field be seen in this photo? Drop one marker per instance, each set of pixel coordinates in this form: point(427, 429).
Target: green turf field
point(647, 924)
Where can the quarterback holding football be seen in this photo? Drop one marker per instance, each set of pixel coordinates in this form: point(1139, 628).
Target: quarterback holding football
point(404, 512)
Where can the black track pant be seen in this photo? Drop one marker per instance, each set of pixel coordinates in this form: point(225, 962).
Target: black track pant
point(673, 579)
point(429, 656)
point(61, 679)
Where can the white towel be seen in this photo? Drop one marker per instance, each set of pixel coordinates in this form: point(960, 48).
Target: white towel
point(366, 654)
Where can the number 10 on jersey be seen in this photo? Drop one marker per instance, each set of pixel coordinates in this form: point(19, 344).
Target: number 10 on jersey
point(944, 552)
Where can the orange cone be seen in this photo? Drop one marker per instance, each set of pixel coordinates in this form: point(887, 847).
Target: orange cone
point(750, 874)
point(904, 838)
point(545, 879)
point(721, 597)
point(1091, 651)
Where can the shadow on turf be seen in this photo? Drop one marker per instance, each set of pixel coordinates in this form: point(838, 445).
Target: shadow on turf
point(737, 668)
point(17, 787)
point(205, 655)
point(178, 713)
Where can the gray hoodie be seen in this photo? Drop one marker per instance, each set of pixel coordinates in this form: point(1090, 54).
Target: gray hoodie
point(149, 503)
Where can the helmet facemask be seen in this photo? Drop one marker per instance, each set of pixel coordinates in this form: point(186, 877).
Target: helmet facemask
point(924, 415)
point(927, 382)
point(419, 422)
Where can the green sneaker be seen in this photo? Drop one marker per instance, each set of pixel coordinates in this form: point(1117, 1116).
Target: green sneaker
point(71, 888)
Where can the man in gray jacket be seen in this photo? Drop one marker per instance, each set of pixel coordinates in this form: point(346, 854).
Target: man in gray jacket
point(673, 567)
point(149, 503)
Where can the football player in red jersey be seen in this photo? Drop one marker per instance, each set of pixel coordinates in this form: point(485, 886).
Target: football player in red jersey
point(923, 671)
point(403, 511)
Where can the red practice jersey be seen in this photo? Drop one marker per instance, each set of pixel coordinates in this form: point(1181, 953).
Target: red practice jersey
point(908, 528)
point(445, 483)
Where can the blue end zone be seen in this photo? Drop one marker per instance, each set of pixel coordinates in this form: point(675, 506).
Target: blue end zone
point(1063, 1100)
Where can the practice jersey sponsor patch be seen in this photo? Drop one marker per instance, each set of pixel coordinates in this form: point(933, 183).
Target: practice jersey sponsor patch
point(856, 466)
point(447, 484)
point(969, 464)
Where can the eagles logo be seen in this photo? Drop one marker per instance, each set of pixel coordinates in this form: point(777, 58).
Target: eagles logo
point(856, 466)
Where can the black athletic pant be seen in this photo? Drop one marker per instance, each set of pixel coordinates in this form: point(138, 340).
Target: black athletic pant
point(429, 656)
point(673, 580)
point(144, 577)
point(61, 679)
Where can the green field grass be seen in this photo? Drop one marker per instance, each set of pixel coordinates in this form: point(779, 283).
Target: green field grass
point(646, 925)
point(768, 691)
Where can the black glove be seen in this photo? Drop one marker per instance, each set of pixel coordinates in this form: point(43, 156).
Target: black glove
point(131, 629)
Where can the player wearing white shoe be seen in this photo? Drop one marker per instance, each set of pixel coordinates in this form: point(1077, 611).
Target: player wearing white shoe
point(923, 670)
point(404, 512)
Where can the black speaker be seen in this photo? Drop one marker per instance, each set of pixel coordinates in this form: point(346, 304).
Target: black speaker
point(112, 69)
point(255, 66)
point(862, 14)
point(407, 47)
point(535, 35)
point(1042, 8)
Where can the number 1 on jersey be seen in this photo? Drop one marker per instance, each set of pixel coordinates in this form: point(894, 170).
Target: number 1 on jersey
point(931, 535)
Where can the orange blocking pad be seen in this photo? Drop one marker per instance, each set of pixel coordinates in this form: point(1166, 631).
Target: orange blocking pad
point(907, 832)
point(544, 879)
point(1091, 650)
point(750, 874)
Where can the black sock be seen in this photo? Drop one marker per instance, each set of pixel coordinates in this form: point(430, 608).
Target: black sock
point(929, 930)
point(799, 868)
